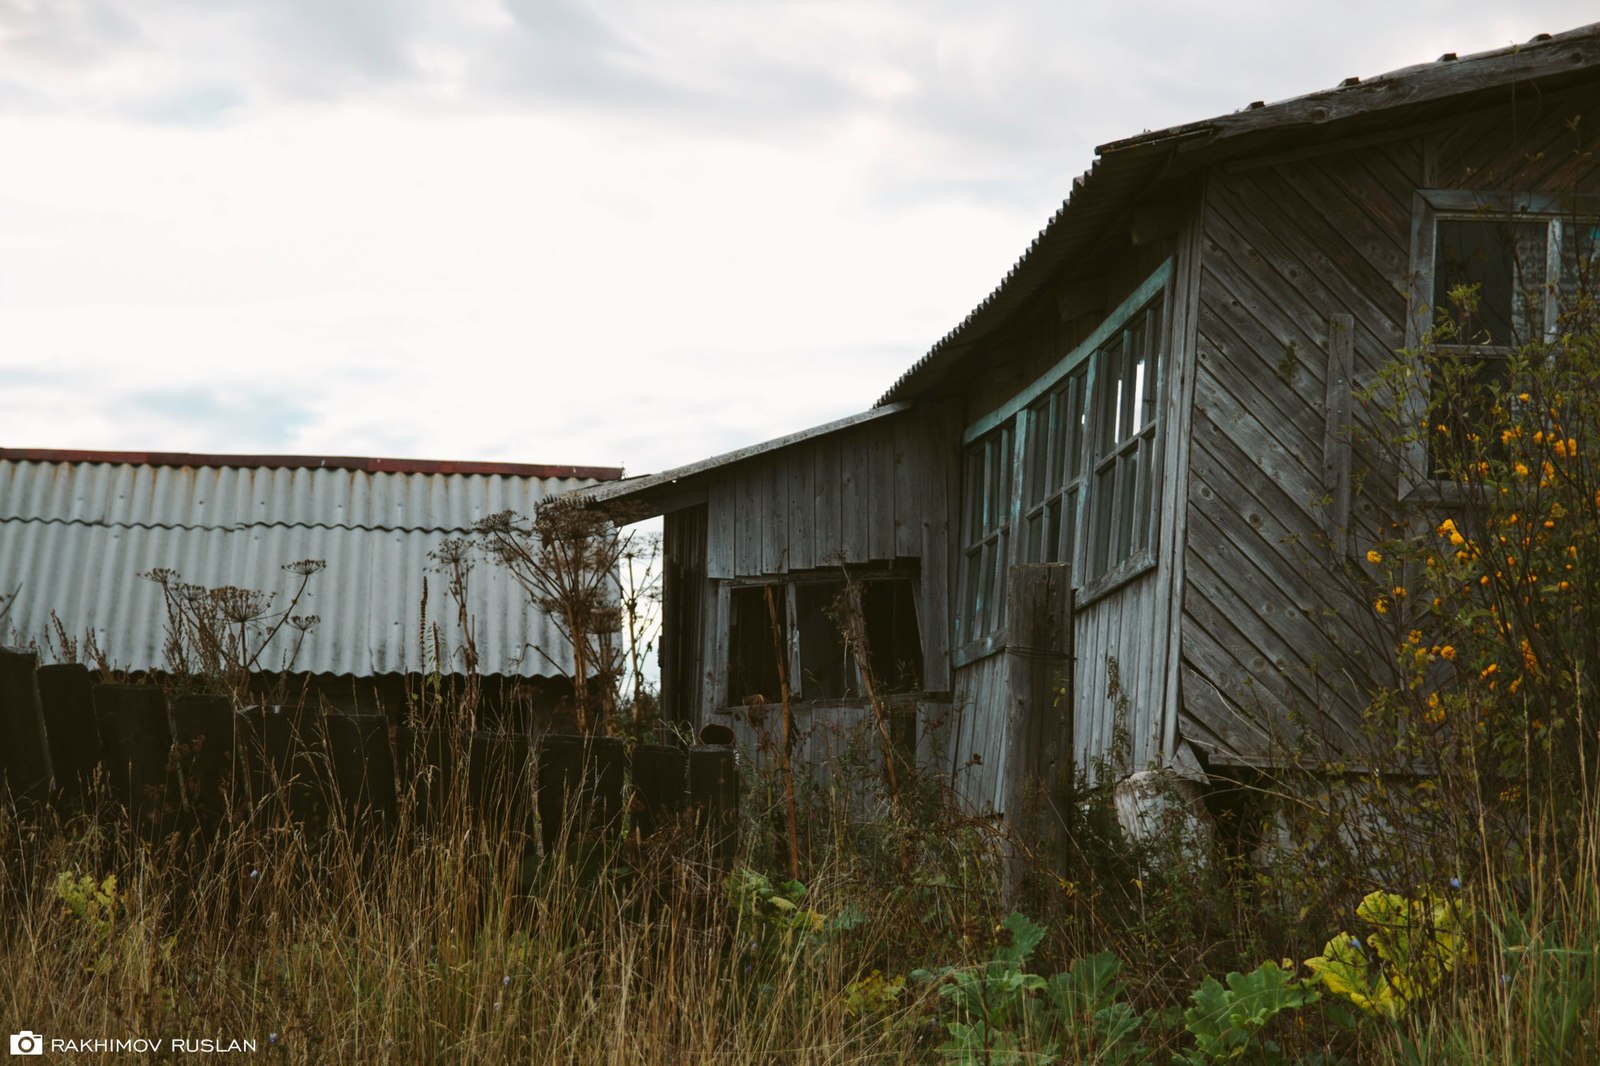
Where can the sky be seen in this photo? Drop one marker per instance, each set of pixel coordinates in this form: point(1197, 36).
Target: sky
point(629, 233)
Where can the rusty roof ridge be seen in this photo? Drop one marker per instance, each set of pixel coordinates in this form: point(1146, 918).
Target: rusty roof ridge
point(236, 527)
point(366, 464)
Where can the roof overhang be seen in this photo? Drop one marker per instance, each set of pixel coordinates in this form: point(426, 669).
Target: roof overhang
point(637, 498)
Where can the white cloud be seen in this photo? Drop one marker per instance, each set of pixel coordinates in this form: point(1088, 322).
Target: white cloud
point(559, 232)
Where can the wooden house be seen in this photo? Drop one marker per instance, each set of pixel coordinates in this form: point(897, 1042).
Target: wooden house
point(1159, 398)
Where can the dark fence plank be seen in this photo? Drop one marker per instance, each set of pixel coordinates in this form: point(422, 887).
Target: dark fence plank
point(66, 695)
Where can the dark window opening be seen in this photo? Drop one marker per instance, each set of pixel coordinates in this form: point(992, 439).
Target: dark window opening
point(753, 648)
point(817, 625)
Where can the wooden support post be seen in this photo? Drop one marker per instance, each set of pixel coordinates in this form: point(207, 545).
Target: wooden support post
point(1039, 722)
point(1336, 433)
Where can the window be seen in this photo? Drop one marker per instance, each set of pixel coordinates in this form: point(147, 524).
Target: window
point(1522, 258)
point(1125, 422)
point(1068, 466)
point(813, 614)
point(986, 530)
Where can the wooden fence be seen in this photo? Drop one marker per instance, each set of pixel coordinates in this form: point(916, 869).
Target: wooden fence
point(190, 763)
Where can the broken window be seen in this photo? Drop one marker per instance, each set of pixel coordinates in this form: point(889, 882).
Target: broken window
point(1082, 442)
point(1498, 270)
point(1126, 391)
point(818, 624)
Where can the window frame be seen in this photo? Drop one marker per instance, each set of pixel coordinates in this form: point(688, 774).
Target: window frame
point(1028, 415)
point(1429, 207)
point(786, 601)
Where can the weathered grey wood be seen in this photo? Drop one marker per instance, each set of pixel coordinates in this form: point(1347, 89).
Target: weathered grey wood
point(26, 748)
point(1039, 723)
point(802, 508)
point(749, 511)
point(721, 528)
point(1075, 299)
point(774, 478)
point(1336, 432)
point(828, 508)
point(855, 489)
point(1563, 53)
point(1151, 222)
point(879, 502)
point(640, 490)
point(1183, 339)
point(910, 477)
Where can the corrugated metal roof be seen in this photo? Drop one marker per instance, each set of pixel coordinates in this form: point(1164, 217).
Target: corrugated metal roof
point(1129, 168)
point(74, 536)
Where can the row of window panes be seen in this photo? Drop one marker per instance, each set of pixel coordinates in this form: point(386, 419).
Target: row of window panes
point(1048, 442)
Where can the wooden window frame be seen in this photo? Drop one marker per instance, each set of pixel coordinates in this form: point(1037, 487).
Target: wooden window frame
point(786, 601)
point(1034, 414)
point(1429, 207)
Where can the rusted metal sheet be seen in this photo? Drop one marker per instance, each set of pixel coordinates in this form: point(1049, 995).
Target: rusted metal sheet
point(76, 535)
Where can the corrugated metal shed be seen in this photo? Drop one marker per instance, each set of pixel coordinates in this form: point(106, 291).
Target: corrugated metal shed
point(76, 530)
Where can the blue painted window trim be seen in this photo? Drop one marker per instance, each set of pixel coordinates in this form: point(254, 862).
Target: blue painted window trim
point(1014, 412)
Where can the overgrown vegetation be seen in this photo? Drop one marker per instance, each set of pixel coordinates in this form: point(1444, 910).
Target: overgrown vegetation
point(1432, 898)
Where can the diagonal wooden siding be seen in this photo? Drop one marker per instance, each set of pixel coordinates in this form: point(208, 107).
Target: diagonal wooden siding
point(1272, 641)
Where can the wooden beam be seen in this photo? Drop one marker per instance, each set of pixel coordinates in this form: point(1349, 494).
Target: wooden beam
point(1039, 720)
point(1336, 433)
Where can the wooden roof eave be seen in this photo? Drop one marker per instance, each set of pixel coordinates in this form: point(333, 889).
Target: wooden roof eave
point(635, 499)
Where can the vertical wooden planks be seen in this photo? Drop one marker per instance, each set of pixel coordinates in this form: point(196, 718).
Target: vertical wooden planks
point(773, 474)
point(722, 505)
point(747, 519)
point(827, 507)
point(802, 508)
point(879, 501)
point(910, 477)
point(855, 490)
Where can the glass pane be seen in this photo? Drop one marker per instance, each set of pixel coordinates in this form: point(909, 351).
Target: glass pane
point(972, 505)
point(1078, 425)
point(1105, 486)
point(1142, 516)
point(1506, 260)
point(1039, 459)
point(1052, 532)
point(825, 668)
point(1127, 479)
point(1580, 267)
point(1034, 547)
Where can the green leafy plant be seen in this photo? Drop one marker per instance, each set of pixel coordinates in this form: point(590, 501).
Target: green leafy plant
point(1226, 1021)
point(1412, 943)
point(1000, 1013)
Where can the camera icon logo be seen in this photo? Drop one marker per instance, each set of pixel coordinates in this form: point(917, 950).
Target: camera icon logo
point(27, 1042)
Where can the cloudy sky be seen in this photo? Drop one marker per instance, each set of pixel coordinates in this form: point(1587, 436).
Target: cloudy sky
point(630, 232)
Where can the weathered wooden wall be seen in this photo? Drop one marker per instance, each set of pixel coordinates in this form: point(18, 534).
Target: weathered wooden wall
point(1304, 266)
point(871, 493)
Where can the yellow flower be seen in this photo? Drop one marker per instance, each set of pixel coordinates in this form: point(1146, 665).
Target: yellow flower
point(1374, 556)
point(1414, 637)
point(1488, 670)
point(1398, 592)
point(1521, 468)
point(1435, 711)
point(1380, 605)
point(1447, 528)
point(1447, 652)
